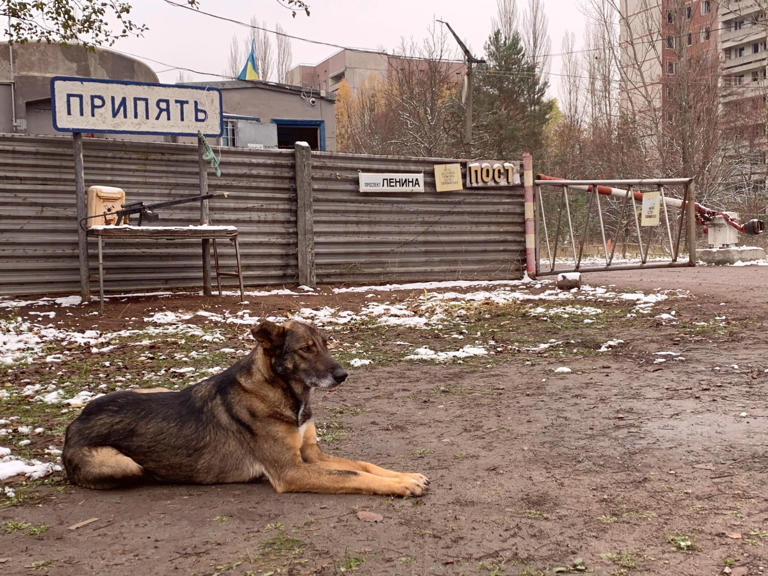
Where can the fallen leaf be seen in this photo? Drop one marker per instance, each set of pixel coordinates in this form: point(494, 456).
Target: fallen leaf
point(369, 516)
point(735, 536)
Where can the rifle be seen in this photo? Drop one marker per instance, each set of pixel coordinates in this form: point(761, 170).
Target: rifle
point(146, 211)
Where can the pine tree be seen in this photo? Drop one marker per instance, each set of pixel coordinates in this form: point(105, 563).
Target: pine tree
point(511, 111)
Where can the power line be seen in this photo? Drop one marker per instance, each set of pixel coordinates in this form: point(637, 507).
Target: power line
point(293, 37)
point(489, 72)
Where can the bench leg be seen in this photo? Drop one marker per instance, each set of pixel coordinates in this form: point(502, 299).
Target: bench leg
point(216, 265)
point(239, 268)
point(101, 275)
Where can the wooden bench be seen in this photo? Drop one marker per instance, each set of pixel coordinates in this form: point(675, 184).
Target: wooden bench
point(198, 232)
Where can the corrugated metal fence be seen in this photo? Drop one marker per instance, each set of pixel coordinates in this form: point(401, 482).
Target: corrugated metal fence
point(358, 238)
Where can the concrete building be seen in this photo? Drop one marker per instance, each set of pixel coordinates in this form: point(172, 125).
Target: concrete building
point(654, 36)
point(357, 67)
point(719, 40)
point(743, 47)
point(256, 114)
point(261, 114)
point(354, 66)
point(743, 36)
point(25, 79)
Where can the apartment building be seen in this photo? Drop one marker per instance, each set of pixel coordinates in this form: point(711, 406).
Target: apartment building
point(743, 47)
point(659, 42)
point(357, 68)
point(674, 53)
point(743, 35)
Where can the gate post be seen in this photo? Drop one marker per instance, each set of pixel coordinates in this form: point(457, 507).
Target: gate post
point(530, 224)
point(305, 230)
point(690, 196)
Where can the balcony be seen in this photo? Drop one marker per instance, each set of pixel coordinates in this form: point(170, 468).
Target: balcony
point(740, 8)
point(749, 33)
point(747, 89)
point(745, 63)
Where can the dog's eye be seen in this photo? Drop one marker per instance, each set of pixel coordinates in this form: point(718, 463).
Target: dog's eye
point(307, 348)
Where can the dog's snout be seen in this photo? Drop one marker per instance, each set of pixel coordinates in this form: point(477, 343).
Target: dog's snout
point(339, 375)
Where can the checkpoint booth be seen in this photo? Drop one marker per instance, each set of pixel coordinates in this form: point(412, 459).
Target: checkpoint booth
point(105, 213)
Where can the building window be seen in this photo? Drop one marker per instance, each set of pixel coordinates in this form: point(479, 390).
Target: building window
point(705, 34)
point(755, 75)
point(755, 48)
point(740, 52)
point(688, 12)
point(738, 80)
point(670, 18)
point(291, 131)
point(670, 41)
point(229, 135)
point(670, 68)
point(705, 7)
point(737, 24)
point(728, 54)
point(690, 38)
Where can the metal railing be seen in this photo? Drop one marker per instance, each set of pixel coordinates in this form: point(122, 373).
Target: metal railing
point(566, 223)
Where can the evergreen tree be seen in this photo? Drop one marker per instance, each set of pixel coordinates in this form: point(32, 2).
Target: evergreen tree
point(509, 101)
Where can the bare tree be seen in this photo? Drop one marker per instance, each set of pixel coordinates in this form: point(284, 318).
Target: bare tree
point(284, 54)
point(536, 36)
point(571, 100)
point(414, 111)
point(261, 41)
point(566, 136)
point(419, 89)
point(506, 19)
point(236, 60)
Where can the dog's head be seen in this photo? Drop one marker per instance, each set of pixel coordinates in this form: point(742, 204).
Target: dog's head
point(299, 354)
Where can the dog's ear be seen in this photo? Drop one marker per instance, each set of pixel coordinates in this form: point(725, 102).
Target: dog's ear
point(271, 336)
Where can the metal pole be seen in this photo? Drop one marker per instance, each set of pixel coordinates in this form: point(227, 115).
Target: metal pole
point(204, 216)
point(690, 195)
point(81, 213)
point(468, 115)
point(13, 81)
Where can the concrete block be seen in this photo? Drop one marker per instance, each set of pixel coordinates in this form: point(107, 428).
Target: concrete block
point(724, 256)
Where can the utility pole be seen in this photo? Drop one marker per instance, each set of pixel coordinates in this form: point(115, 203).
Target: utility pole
point(468, 102)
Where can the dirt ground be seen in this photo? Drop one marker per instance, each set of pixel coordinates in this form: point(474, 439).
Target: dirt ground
point(633, 462)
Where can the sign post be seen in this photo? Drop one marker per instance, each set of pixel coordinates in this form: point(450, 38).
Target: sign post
point(89, 105)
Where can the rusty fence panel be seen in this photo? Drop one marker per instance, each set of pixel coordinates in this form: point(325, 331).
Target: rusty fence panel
point(38, 228)
point(368, 237)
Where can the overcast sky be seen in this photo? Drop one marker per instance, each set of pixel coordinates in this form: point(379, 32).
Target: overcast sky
point(182, 40)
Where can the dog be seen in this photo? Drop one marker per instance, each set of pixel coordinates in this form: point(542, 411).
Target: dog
point(252, 420)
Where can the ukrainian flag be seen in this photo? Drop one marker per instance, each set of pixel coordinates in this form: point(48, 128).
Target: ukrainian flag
point(250, 71)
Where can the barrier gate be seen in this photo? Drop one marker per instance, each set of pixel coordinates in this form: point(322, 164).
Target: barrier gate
point(594, 225)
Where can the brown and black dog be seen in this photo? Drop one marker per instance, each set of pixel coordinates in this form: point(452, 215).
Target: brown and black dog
point(252, 420)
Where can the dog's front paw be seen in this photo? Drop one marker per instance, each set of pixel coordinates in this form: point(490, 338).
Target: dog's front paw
point(415, 484)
